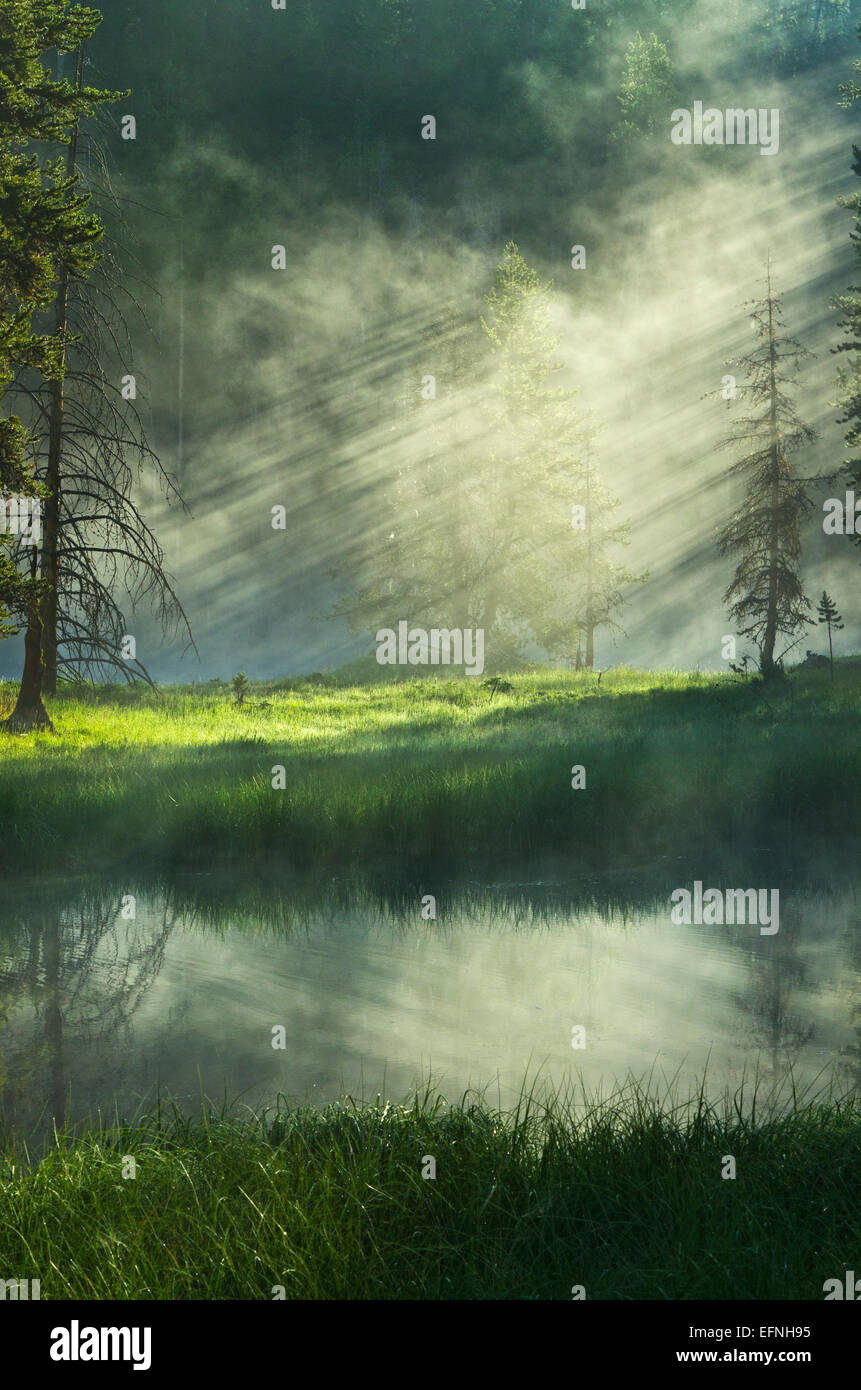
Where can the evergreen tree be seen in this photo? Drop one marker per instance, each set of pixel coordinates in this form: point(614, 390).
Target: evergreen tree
point(47, 233)
point(90, 448)
point(648, 89)
point(241, 686)
point(849, 307)
point(476, 527)
point(827, 611)
point(765, 597)
point(528, 475)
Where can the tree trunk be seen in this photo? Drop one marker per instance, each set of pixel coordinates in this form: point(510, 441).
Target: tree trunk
point(767, 664)
point(29, 712)
point(51, 540)
point(590, 576)
point(53, 478)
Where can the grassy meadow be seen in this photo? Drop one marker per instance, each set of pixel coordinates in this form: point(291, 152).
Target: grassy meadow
point(621, 1195)
point(677, 764)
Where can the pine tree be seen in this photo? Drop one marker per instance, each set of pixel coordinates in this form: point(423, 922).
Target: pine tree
point(47, 233)
point(765, 597)
point(648, 89)
point(849, 307)
point(90, 448)
point(241, 686)
point(827, 611)
point(528, 473)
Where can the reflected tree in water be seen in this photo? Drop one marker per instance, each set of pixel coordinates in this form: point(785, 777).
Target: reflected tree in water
point(71, 974)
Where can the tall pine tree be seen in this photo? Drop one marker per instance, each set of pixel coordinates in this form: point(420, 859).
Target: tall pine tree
point(849, 307)
point(47, 233)
point(766, 598)
point(528, 473)
point(90, 448)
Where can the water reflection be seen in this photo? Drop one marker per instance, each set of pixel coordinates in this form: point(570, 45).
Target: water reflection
point(73, 973)
point(98, 1007)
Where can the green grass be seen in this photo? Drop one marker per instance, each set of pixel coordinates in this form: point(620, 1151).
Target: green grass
point(622, 1195)
point(677, 764)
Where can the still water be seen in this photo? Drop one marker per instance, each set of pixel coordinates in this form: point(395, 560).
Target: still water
point(99, 1008)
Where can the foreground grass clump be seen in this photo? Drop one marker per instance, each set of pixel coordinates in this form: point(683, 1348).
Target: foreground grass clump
point(676, 763)
point(624, 1197)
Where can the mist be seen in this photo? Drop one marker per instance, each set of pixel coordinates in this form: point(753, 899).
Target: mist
point(291, 388)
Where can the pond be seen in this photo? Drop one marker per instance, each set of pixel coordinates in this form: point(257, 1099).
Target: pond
point(247, 989)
